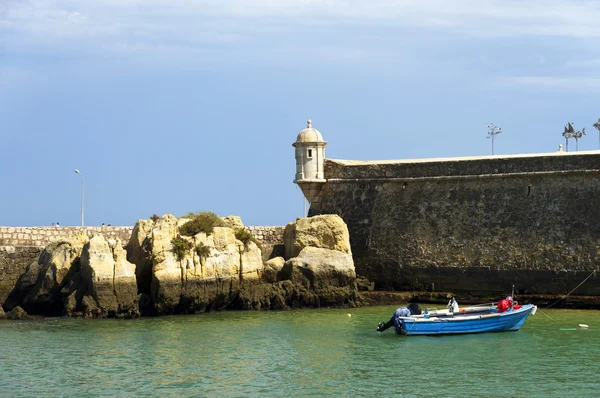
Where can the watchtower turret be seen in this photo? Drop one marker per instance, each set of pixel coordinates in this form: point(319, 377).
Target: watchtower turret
point(310, 162)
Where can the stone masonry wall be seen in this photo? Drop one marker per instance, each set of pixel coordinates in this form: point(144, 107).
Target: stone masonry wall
point(472, 226)
point(13, 262)
point(42, 236)
point(271, 240)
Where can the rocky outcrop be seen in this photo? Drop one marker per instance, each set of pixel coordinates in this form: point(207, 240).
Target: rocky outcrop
point(165, 271)
point(79, 278)
point(325, 231)
point(212, 271)
point(43, 288)
point(17, 314)
point(2, 314)
point(321, 277)
point(272, 269)
point(139, 253)
point(207, 275)
point(108, 280)
point(324, 267)
point(233, 222)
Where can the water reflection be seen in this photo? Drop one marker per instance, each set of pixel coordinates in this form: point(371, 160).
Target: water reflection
point(304, 352)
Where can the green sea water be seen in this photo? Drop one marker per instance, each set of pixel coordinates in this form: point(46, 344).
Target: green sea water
point(296, 353)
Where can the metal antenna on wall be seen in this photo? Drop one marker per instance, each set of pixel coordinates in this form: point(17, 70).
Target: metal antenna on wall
point(568, 133)
point(597, 127)
point(493, 130)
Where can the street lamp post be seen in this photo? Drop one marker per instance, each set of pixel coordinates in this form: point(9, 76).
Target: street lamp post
point(81, 174)
point(493, 130)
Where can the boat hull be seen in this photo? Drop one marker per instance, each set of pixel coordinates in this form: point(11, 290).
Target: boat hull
point(461, 324)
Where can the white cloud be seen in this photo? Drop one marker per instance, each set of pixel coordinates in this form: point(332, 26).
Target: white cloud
point(46, 22)
point(269, 31)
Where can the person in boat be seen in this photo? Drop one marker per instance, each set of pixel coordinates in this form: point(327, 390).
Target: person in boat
point(396, 321)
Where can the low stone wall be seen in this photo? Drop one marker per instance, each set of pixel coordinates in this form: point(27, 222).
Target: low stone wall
point(13, 263)
point(271, 239)
point(42, 236)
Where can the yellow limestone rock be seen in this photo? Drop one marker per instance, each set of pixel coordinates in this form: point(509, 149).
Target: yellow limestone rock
point(326, 231)
point(108, 278)
point(97, 271)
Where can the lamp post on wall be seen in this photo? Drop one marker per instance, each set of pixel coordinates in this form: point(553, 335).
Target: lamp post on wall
point(493, 130)
point(81, 174)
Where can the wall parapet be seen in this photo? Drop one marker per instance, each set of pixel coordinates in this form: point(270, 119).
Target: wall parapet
point(501, 165)
point(43, 236)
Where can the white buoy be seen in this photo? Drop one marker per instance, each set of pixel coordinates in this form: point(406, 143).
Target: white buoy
point(583, 325)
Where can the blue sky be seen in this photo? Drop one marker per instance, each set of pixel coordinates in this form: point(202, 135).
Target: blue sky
point(178, 106)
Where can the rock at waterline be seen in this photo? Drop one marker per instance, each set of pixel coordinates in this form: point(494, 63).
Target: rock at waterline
point(197, 281)
point(108, 279)
point(272, 268)
point(17, 314)
point(47, 280)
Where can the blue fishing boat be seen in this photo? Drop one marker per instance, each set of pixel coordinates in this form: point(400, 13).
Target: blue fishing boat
point(504, 316)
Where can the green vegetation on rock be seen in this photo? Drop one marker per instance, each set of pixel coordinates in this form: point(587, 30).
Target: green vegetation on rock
point(180, 247)
point(202, 250)
point(201, 222)
point(246, 237)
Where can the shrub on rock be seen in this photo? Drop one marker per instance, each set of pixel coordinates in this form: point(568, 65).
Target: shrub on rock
point(181, 247)
point(202, 250)
point(246, 237)
point(201, 222)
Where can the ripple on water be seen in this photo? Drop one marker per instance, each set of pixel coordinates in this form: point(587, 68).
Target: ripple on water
point(304, 352)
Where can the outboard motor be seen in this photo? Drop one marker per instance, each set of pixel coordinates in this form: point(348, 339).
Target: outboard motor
point(396, 319)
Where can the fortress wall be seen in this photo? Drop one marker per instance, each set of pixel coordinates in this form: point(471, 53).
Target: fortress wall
point(472, 226)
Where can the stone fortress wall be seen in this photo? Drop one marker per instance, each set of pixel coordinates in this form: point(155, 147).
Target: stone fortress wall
point(19, 246)
point(471, 225)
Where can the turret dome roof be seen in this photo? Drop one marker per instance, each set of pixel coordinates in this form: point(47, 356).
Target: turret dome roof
point(309, 134)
